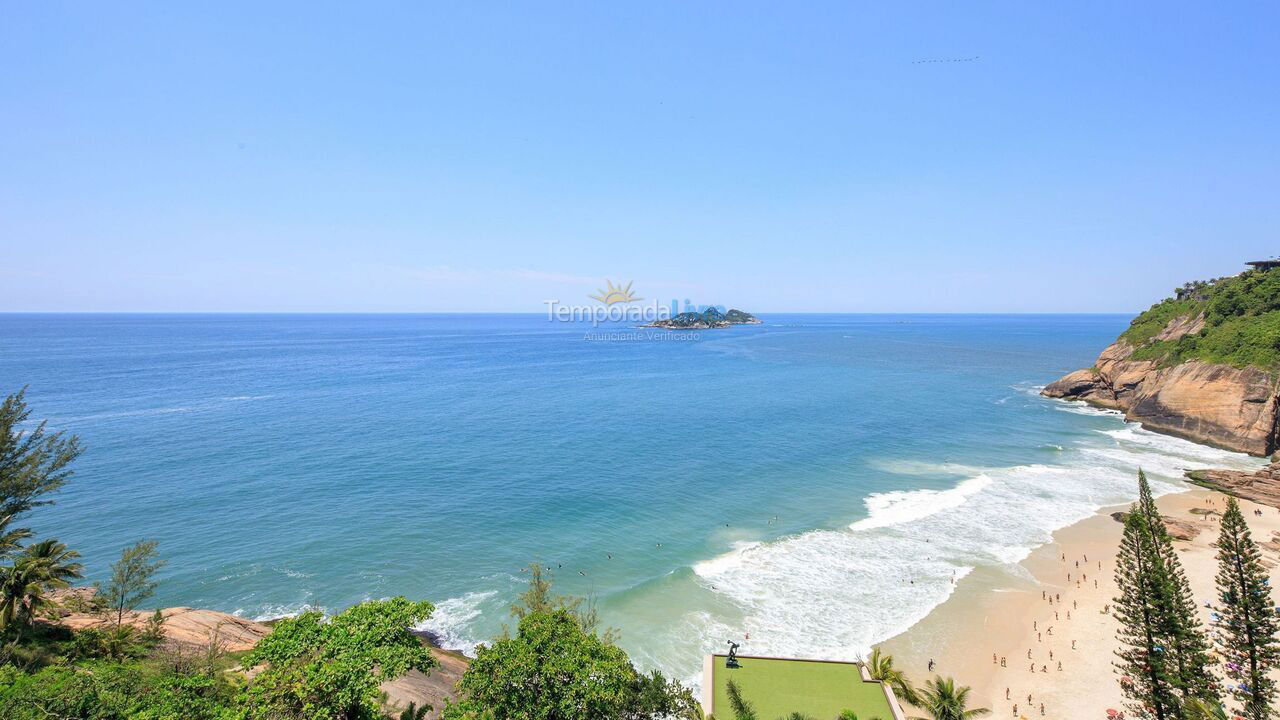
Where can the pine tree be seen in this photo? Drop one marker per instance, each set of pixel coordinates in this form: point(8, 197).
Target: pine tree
point(1245, 619)
point(1188, 646)
point(1148, 676)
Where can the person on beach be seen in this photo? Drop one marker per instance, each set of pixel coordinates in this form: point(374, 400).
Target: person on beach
point(1002, 662)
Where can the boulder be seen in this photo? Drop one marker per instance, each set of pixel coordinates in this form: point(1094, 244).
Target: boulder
point(1178, 529)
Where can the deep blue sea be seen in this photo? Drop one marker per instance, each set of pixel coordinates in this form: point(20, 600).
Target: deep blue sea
point(816, 480)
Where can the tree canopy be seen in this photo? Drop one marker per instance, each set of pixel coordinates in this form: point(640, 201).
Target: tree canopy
point(330, 669)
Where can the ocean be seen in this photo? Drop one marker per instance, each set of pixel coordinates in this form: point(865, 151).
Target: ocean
point(817, 481)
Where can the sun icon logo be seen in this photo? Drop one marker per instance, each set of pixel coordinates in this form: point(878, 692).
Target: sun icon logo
point(611, 294)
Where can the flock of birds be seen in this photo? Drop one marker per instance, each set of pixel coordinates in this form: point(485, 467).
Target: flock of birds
point(947, 60)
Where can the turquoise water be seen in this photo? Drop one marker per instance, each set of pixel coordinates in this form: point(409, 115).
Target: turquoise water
point(816, 481)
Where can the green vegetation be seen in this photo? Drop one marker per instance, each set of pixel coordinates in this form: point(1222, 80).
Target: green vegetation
point(709, 318)
point(538, 598)
point(308, 668)
point(33, 463)
point(132, 578)
point(98, 690)
point(880, 667)
point(775, 688)
point(330, 669)
point(558, 667)
point(1163, 658)
point(943, 700)
point(551, 669)
point(1246, 624)
point(1242, 323)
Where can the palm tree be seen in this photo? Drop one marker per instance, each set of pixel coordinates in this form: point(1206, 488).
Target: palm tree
point(10, 538)
point(742, 708)
point(880, 667)
point(1200, 709)
point(944, 701)
point(39, 568)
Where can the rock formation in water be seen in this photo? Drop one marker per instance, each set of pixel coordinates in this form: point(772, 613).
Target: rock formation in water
point(1260, 486)
point(1202, 366)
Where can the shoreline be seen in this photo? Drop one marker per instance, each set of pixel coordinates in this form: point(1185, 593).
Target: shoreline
point(1005, 613)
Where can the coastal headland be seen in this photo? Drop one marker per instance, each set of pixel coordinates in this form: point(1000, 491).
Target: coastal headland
point(1200, 365)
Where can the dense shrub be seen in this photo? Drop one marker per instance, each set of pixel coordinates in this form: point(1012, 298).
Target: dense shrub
point(1242, 323)
point(111, 691)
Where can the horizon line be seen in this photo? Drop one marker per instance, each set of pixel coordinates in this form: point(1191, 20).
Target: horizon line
point(525, 313)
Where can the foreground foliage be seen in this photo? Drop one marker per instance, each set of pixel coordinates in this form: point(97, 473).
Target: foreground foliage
point(1163, 656)
point(1245, 622)
point(880, 667)
point(552, 669)
point(111, 690)
point(318, 669)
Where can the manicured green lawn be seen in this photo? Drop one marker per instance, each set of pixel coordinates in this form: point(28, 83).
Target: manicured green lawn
point(778, 688)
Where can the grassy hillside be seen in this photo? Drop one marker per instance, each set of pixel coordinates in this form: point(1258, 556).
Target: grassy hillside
point(1242, 322)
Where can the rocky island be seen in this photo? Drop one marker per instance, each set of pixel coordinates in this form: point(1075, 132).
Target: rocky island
point(706, 320)
point(1201, 365)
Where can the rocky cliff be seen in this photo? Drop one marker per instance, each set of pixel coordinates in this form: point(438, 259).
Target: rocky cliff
point(1222, 405)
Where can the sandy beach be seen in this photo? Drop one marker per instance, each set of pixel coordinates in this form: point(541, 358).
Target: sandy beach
point(1038, 641)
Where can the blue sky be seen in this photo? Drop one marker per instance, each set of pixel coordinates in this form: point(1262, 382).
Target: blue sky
point(468, 157)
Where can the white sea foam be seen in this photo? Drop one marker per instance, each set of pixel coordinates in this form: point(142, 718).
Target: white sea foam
point(834, 593)
point(720, 563)
point(1080, 408)
point(451, 621)
point(896, 508)
point(276, 612)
